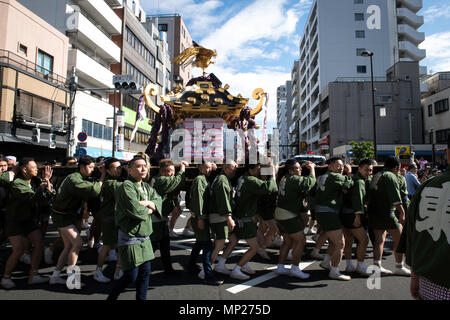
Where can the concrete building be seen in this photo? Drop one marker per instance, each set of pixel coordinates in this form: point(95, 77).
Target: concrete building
point(179, 39)
point(282, 122)
point(294, 132)
point(33, 65)
point(335, 35)
point(346, 112)
point(289, 120)
point(145, 56)
point(90, 26)
point(435, 104)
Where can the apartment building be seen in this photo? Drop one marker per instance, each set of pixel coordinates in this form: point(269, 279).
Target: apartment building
point(294, 126)
point(178, 38)
point(331, 46)
point(436, 112)
point(282, 122)
point(90, 26)
point(33, 65)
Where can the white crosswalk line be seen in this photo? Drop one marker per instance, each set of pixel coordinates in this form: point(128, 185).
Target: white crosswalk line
point(248, 284)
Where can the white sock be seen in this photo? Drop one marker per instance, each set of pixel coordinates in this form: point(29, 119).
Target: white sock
point(294, 267)
point(56, 273)
point(280, 266)
point(349, 262)
point(221, 261)
point(361, 265)
point(335, 270)
point(399, 265)
point(237, 268)
point(326, 260)
point(99, 269)
point(377, 262)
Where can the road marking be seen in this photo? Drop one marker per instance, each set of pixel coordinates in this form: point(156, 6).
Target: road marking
point(248, 284)
point(181, 246)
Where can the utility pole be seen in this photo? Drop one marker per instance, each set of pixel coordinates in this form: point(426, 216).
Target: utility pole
point(73, 86)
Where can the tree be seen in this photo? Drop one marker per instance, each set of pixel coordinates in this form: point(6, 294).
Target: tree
point(362, 150)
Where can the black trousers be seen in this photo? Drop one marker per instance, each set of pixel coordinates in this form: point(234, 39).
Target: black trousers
point(163, 246)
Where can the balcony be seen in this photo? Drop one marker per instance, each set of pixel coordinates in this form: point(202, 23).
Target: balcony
point(411, 50)
point(406, 15)
point(114, 3)
point(411, 34)
point(295, 115)
point(95, 39)
point(325, 115)
point(103, 14)
point(413, 5)
point(90, 69)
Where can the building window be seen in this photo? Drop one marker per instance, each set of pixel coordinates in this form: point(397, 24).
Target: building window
point(430, 110)
point(140, 47)
point(441, 106)
point(96, 130)
point(359, 51)
point(441, 135)
point(359, 16)
point(360, 34)
point(358, 1)
point(44, 62)
point(163, 27)
point(138, 75)
point(361, 69)
point(23, 49)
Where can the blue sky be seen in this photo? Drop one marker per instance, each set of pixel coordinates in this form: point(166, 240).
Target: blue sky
point(257, 40)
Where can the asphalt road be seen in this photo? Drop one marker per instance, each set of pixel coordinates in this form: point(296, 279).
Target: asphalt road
point(264, 285)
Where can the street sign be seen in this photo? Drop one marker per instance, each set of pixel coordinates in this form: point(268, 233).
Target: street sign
point(120, 142)
point(403, 152)
point(80, 152)
point(82, 144)
point(82, 136)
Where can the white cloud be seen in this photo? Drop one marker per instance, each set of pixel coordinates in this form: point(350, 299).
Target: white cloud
point(245, 82)
point(435, 12)
point(245, 35)
point(438, 51)
point(199, 15)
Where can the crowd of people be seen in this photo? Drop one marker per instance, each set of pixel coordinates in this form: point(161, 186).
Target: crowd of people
point(134, 214)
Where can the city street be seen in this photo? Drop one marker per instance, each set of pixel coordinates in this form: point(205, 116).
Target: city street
point(264, 285)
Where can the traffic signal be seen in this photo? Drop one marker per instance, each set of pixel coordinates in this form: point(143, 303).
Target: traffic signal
point(125, 84)
point(36, 135)
point(52, 141)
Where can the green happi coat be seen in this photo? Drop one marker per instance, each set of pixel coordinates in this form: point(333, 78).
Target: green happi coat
point(133, 219)
point(292, 192)
point(428, 230)
point(23, 199)
point(356, 198)
point(107, 207)
point(221, 198)
point(73, 191)
point(197, 193)
point(384, 193)
point(5, 179)
point(330, 187)
point(248, 190)
point(166, 188)
point(107, 196)
point(196, 206)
